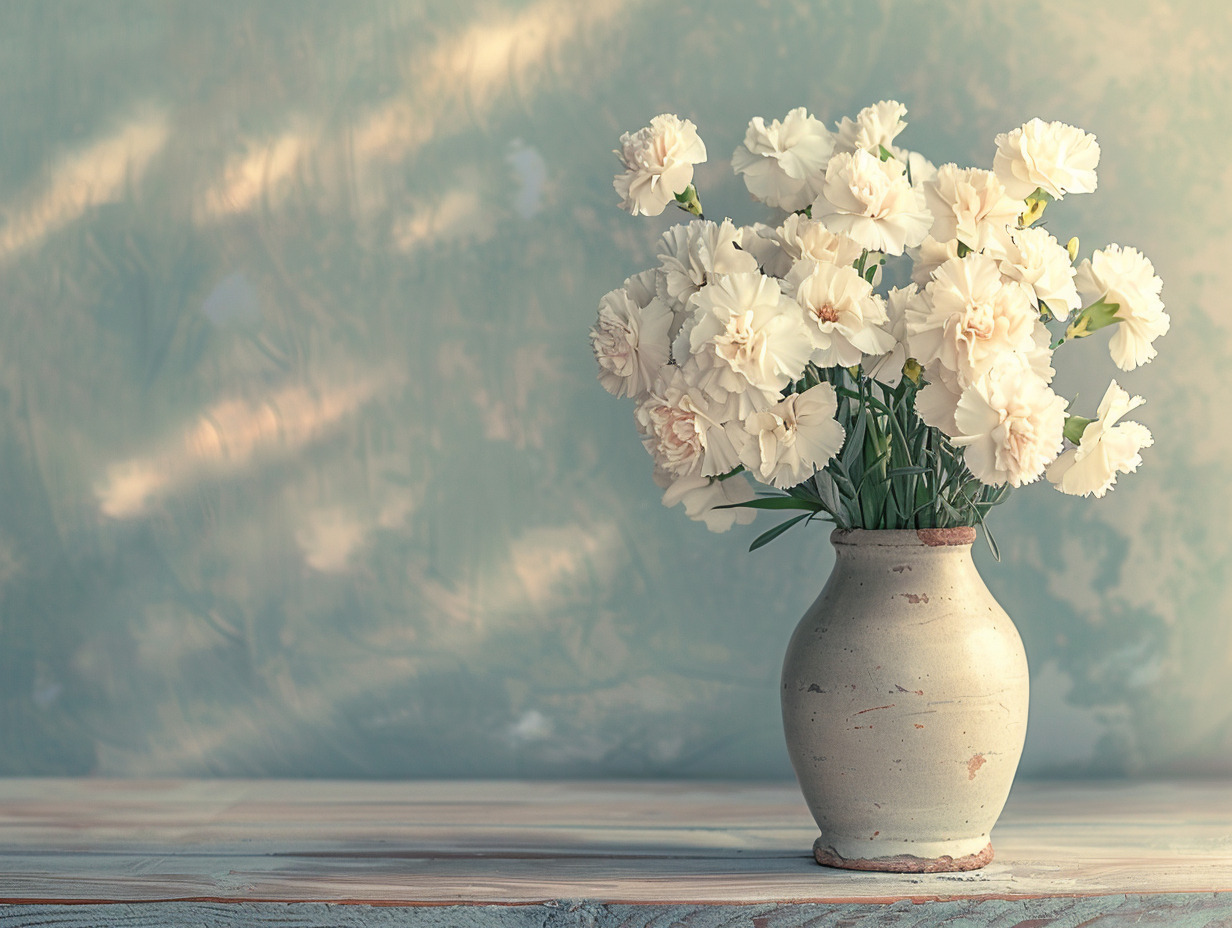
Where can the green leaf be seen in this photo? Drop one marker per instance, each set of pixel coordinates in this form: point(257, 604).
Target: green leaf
point(905, 471)
point(766, 537)
point(775, 502)
point(1075, 426)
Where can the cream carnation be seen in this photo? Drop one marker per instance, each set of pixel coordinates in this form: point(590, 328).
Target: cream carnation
point(871, 201)
point(843, 315)
point(969, 204)
point(968, 317)
point(681, 428)
point(744, 342)
point(1037, 260)
point(1011, 425)
point(875, 127)
point(784, 164)
point(690, 254)
point(630, 342)
point(658, 163)
point(1126, 277)
point(786, 443)
point(1052, 156)
point(937, 401)
point(888, 368)
point(1107, 447)
point(928, 256)
point(777, 249)
point(702, 495)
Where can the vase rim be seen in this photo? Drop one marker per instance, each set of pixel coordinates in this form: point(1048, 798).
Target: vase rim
point(958, 536)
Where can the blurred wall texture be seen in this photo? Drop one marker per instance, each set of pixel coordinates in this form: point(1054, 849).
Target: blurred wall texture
point(305, 468)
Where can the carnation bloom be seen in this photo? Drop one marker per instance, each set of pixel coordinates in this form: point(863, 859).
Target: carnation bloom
point(658, 163)
point(871, 201)
point(784, 164)
point(1036, 259)
point(1107, 447)
point(1011, 425)
point(1051, 156)
point(889, 367)
point(690, 254)
point(681, 428)
point(930, 255)
point(630, 342)
point(969, 204)
point(875, 127)
point(843, 315)
point(968, 316)
point(777, 249)
point(702, 495)
point(743, 343)
point(1126, 277)
point(786, 443)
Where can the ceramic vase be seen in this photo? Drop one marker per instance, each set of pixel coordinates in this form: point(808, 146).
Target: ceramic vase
point(905, 704)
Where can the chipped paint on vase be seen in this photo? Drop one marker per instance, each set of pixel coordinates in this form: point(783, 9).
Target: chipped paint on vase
point(905, 704)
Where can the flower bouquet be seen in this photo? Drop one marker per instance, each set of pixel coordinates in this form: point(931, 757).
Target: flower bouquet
point(881, 358)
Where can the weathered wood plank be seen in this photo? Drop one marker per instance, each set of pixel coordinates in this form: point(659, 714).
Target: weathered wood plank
point(405, 844)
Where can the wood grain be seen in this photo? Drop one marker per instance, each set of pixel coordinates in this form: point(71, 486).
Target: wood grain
point(232, 852)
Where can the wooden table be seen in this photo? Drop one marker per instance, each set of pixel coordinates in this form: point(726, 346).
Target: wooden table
point(547, 855)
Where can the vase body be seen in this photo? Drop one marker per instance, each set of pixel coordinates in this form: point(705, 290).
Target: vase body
point(905, 704)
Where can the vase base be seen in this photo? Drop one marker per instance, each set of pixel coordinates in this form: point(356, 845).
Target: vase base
point(902, 863)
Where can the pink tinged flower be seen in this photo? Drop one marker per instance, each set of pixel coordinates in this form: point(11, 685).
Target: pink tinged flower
point(744, 342)
point(1107, 447)
point(970, 205)
point(658, 164)
point(875, 127)
point(888, 368)
point(843, 316)
point(1011, 426)
point(630, 342)
point(784, 164)
point(871, 202)
point(968, 317)
point(702, 495)
point(690, 254)
point(1126, 277)
point(681, 428)
point(1052, 156)
point(1037, 260)
point(785, 444)
point(777, 249)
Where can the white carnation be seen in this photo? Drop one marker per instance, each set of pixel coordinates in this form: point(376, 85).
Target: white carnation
point(1126, 277)
point(786, 443)
point(702, 495)
point(630, 342)
point(778, 249)
point(1011, 425)
point(930, 255)
point(871, 201)
point(970, 205)
point(1052, 156)
point(842, 314)
point(888, 368)
point(919, 169)
point(681, 428)
point(743, 343)
point(968, 317)
point(784, 164)
point(874, 127)
point(1107, 447)
point(658, 163)
point(1036, 259)
point(690, 254)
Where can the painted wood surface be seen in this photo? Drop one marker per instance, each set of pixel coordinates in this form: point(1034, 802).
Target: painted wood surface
point(228, 852)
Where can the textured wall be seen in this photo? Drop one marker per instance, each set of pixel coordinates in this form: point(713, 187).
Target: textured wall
point(306, 471)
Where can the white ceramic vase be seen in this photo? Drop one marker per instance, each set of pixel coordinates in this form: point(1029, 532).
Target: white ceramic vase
point(905, 704)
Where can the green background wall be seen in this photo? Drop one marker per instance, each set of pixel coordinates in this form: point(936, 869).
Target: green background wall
point(305, 470)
